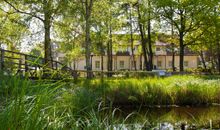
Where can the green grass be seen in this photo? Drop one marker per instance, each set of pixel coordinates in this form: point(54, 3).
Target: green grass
point(34, 105)
point(175, 90)
point(26, 104)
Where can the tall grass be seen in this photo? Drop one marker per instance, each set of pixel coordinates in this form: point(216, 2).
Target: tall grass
point(175, 90)
point(34, 105)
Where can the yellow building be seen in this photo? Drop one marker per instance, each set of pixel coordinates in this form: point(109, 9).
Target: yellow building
point(122, 60)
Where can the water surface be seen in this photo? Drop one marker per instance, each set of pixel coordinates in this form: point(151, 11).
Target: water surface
point(170, 118)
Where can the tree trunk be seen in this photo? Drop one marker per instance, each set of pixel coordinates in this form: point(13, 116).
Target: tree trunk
point(47, 40)
point(102, 56)
point(109, 44)
point(132, 41)
point(143, 39)
point(181, 64)
point(181, 41)
point(102, 62)
point(149, 37)
point(109, 50)
point(218, 52)
point(219, 63)
point(88, 7)
point(141, 61)
point(74, 65)
point(150, 46)
point(173, 47)
point(88, 53)
point(203, 59)
point(173, 60)
point(217, 28)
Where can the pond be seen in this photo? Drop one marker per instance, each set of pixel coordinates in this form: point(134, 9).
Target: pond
point(171, 118)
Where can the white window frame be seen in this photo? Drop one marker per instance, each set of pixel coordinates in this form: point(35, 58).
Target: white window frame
point(97, 64)
point(158, 63)
point(122, 64)
point(186, 63)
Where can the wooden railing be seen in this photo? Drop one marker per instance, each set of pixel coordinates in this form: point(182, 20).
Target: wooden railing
point(30, 66)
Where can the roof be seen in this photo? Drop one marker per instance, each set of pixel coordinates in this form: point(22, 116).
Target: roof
point(187, 52)
point(159, 43)
point(124, 53)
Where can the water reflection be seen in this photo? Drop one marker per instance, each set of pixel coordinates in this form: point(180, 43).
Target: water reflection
point(172, 118)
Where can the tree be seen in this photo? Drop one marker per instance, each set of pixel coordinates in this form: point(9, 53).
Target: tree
point(87, 15)
point(185, 16)
point(129, 9)
point(172, 41)
point(143, 37)
point(8, 36)
point(44, 11)
point(100, 37)
point(146, 14)
point(149, 19)
point(105, 17)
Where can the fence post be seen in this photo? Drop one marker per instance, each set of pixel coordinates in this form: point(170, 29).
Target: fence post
point(25, 63)
point(19, 66)
point(2, 59)
point(56, 65)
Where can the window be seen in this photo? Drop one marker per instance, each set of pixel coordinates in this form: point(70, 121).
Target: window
point(61, 59)
point(133, 63)
point(170, 63)
point(121, 64)
point(186, 63)
point(158, 49)
point(159, 63)
point(97, 64)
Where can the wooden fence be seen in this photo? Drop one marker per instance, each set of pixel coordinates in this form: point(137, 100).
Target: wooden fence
point(30, 66)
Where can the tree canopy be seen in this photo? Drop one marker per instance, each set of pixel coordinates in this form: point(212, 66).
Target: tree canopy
point(83, 27)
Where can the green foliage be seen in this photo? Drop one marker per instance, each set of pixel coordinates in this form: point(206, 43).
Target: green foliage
point(47, 105)
point(175, 90)
point(9, 23)
point(67, 105)
point(65, 21)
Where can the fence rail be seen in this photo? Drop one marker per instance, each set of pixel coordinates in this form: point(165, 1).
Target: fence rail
point(29, 65)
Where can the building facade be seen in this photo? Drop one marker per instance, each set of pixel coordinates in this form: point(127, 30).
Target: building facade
point(123, 60)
